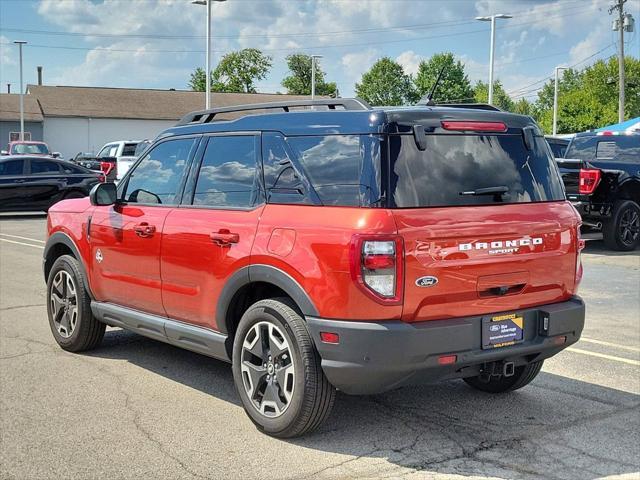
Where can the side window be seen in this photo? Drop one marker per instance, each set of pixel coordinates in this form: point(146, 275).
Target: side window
point(13, 167)
point(42, 167)
point(283, 182)
point(157, 178)
point(229, 176)
point(606, 150)
point(129, 149)
point(333, 164)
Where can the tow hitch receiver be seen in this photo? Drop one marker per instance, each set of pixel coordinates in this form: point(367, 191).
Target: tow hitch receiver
point(497, 369)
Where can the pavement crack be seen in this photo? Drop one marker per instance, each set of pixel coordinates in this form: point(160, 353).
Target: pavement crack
point(17, 307)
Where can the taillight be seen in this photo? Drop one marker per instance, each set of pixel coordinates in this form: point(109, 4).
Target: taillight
point(106, 167)
point(377, 267)
point(589, 179)
point(103, 177)
point(475, 126)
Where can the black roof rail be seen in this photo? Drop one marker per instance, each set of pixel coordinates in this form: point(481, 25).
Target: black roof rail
point(473, 106)
point(206, 116)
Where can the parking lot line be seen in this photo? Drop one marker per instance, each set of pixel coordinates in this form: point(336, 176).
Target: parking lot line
point(602, 355)
point(609, 344)
point(22, 243)
point(21, 238)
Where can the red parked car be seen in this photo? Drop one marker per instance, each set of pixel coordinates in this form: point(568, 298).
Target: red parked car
point(29, 148)
point(334, 247)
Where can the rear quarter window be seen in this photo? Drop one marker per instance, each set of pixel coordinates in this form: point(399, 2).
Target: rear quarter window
point(453, 164)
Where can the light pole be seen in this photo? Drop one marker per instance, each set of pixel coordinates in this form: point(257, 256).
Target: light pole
point(313, 75)
point(492, 19)
point(555, 100)
point(207, 102)
point(20, 43)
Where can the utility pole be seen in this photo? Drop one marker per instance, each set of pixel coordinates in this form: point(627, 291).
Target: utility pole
point(314, 59)
point(555, 101)
point(20, 43)
point(492, 48)
point(619, 25)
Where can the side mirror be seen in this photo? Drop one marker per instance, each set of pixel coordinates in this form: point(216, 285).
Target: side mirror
point(55, 154)
point(103, 194)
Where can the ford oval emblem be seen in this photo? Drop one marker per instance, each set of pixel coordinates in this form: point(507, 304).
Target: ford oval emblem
point(426, 281)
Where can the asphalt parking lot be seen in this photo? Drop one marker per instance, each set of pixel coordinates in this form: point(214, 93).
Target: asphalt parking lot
point(136, 408)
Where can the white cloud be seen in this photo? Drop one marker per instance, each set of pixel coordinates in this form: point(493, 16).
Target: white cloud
point(410, 61)
point(6, 52)
point(357, 63)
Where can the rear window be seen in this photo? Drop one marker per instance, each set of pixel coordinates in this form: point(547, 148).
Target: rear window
point(454, 167)
point(617, 148)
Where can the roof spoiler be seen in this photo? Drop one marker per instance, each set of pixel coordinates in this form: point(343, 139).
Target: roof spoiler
point(206, 116)
point(473, 106)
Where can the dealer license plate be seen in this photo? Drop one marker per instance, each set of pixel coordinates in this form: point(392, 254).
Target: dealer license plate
point(502, 330)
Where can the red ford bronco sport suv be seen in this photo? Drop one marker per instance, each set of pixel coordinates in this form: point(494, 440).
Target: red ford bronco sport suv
point(329, 245)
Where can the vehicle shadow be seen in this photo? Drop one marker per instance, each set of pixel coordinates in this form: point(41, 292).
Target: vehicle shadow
point(597, 247)
point(557, 427)
point(22, 216)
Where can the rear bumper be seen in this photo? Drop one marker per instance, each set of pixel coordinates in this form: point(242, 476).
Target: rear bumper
point(373, 357)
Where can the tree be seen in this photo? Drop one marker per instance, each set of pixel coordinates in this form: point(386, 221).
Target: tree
point(386, 83)
point(237, 72)
point(299, 82)
point(523, 107)
point(500, 97)
point(588, 99)
point(454, 84)
point(197, 82)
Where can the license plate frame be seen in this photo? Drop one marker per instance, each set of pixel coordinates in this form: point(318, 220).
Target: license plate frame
point(504, 330)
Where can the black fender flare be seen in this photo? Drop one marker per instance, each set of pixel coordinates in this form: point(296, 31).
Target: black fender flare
point(59, 238)
point(266, 274)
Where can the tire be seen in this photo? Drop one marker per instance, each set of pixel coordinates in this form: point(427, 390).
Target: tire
point(291, 395)
point(74, 328)
point(499, 384)
point(622, 231)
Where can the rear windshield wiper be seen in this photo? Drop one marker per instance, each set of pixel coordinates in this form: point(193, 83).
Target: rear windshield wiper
point(501, 190)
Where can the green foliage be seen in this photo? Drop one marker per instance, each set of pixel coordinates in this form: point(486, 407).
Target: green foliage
point(198, 82)
point(454, 84)
point(299, 82)
point(523, 107)
point(386, 83)
point(500, 97)
point(589, 99)
point(237, 72)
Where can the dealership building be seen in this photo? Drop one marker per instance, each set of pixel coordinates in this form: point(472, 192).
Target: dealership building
point(83, 119)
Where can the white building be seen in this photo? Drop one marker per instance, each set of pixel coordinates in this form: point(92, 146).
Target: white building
point(82, 119)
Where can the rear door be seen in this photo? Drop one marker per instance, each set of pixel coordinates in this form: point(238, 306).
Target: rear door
point(12, 180)
point(467, 252)
point(125, 238)
point(210, 236)
point(44, 184)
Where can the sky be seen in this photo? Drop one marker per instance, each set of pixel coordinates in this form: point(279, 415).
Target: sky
point(158, 43)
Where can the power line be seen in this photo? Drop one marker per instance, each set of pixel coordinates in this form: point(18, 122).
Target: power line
point(448, 23)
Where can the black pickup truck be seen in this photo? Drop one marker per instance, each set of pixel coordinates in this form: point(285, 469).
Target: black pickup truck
point(601, 174)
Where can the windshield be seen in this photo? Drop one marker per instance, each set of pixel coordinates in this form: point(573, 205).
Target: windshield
point(471, 170)
point(30, 149)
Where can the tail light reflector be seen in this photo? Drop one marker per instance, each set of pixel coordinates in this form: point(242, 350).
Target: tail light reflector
point(475, 126)
point(447, 359)
point(377, 267)
point(330, 337)
point(589, 180)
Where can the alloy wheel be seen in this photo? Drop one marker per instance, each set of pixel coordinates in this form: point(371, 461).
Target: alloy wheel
point(267, 369)
point(629, 227)
point(64, 303)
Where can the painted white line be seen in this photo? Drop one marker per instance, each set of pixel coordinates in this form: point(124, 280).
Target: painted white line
point(609, 344)
point(22, 243)
point(602, 355)
point(21, 238)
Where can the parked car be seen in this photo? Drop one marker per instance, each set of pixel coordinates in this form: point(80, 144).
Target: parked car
point(558, 145)
point(106, 165)
point(29, 148)
point(601, 174)
point(338, 247)
point(123, 151)
point(34, 183)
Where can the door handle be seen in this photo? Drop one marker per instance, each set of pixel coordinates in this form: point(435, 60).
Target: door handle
point(224, 238)
point(143, 229)
point(21, 180)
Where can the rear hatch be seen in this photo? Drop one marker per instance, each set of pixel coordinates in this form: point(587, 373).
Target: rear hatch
point(484, 222)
